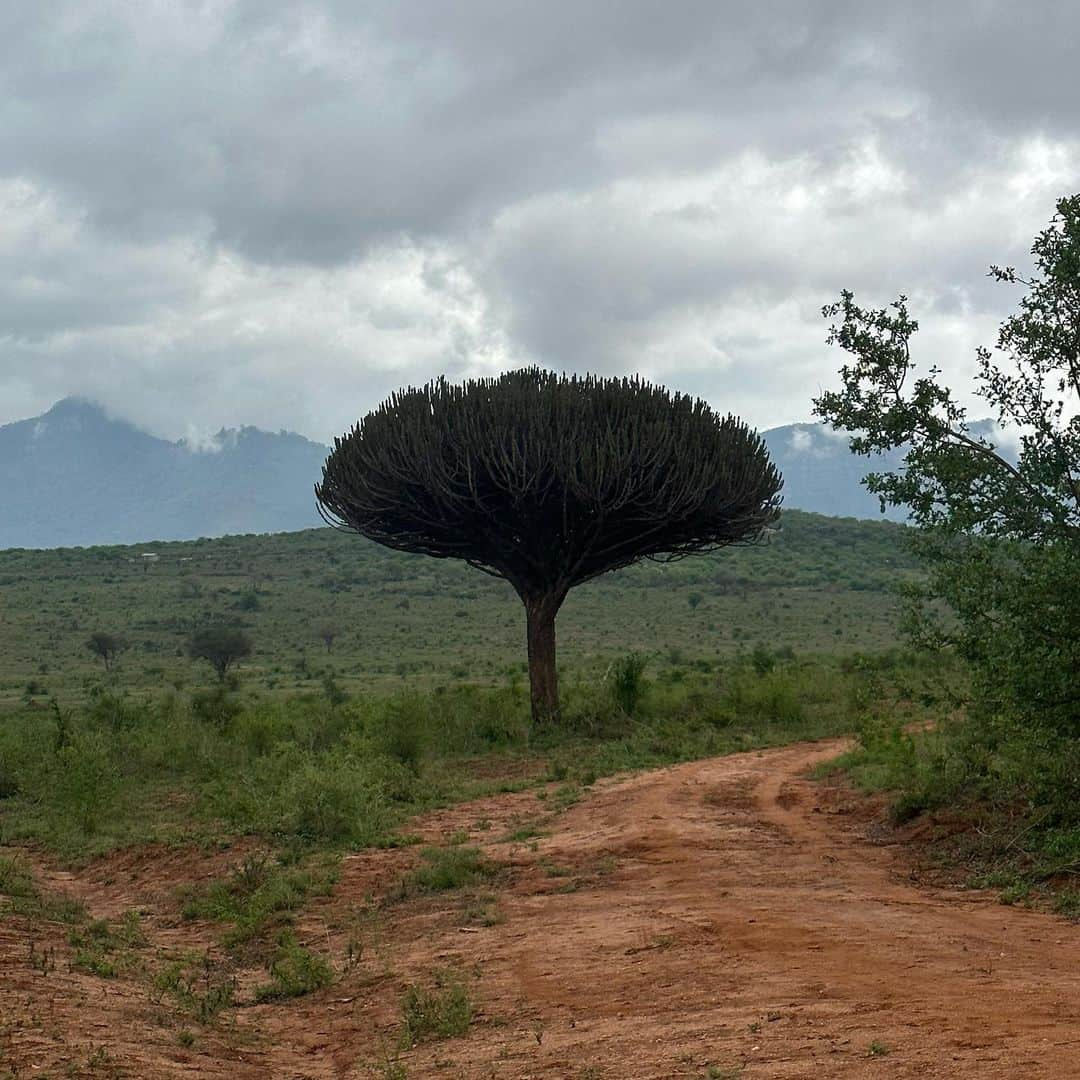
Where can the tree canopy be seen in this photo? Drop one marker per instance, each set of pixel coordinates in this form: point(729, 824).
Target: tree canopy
point(1001, 532)
point(106, 647)
point(548, 481)
point(220, 646)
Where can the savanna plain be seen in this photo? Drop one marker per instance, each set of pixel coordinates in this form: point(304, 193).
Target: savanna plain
point(753, 845)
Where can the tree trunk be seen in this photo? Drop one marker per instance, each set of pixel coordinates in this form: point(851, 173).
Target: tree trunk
point(540, 615)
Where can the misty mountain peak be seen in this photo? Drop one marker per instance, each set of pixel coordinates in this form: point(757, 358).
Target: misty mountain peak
point(76, 476)
point(77, 409)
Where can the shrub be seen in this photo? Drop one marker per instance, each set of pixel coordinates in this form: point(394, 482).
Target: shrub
point(627, 681)
point(294, 971)
point(256, 895)
point(84, 780)
point(442, 869)
point(442, 1012)
point(348, 794)
point(400, 729)
point(762, 660)
point(216, 707)
point(114, 711)
point(771, 696)
point(196, 986)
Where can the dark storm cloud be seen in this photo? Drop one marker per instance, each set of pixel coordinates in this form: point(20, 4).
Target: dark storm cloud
point(279, 210)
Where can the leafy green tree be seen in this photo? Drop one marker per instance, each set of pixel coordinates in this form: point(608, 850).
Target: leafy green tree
point(1000, 533)
point(220, 646)
point(106, 647)
point(548, 481)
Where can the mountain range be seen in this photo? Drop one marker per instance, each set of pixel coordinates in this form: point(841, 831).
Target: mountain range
point(75, 477)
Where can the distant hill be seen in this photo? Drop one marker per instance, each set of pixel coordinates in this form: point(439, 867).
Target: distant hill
point(75, 477)
point(822, 475)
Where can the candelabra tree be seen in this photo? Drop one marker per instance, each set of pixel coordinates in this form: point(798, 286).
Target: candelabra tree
point(548, 481)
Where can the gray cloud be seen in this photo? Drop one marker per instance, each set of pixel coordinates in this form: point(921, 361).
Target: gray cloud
point(242, 211)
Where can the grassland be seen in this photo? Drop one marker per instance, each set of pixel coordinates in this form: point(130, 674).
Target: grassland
point(244, 805)
point(820, 585)
point(425, 677)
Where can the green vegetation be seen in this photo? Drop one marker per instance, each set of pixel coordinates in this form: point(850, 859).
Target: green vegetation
point(382, 685)
point(105, 949)
point(333, 752)
point(194, 983)
point(440, 1012)
point(820, 585)
point(294, 971)
point(1001, 539)
point(442, 869)
point(106, 647)
point(222, 646)
point(548, 481)
point(258, 895)
point(20, 895)
point(302, 771)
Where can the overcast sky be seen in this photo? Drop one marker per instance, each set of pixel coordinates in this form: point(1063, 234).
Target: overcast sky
point(226, 213)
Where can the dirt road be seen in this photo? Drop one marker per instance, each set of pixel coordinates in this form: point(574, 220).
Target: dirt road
point(721, 918)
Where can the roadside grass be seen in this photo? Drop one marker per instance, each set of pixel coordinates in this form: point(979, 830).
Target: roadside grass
point(444, 869)
point(21, 895)
point(440, 1011)
point(306, 774)
point(294, 971)
point(997, 801)
point(108, 949)
point(258, 896)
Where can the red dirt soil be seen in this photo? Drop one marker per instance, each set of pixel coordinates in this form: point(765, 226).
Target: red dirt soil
point(723, 915)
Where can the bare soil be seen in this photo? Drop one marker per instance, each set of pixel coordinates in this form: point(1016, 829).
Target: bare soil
point(726, 915)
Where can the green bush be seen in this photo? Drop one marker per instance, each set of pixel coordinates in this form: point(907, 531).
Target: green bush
point(196, 985)
point(299, 770)
point(627, 681)
point(771, 696)
point(294, 971)
point(442, 1012)
point(84, 780)
point(257, 894)
point(400, 729)
point(442, 869)
point(217, 707)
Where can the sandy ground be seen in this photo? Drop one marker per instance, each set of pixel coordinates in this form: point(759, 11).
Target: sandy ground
point(725, 917)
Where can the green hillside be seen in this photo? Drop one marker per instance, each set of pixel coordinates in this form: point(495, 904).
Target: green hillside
point(818, 585)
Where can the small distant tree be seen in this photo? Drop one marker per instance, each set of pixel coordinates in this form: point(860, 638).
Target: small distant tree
point(548, 481)
point(220, 646)
point(328, 632)
point(106, 647)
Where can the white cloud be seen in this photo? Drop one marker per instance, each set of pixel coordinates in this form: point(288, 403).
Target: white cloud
point(801, 440)
point(275, 214)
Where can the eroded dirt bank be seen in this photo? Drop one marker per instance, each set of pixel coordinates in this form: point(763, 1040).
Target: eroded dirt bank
point(720, 915)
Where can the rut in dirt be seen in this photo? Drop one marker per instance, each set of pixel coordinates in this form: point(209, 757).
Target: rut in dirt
point(724, 915)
